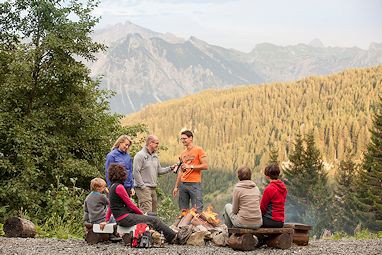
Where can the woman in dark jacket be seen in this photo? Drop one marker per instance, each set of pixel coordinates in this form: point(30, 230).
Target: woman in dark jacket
point(126, 213)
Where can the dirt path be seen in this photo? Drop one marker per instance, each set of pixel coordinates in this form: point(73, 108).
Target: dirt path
point(21, 246)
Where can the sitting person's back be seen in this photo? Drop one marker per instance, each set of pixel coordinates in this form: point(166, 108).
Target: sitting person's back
point(95, 205)
point(273, 200)
point(244, 212)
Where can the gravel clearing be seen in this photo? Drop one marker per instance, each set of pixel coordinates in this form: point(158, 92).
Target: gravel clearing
point(21, 246)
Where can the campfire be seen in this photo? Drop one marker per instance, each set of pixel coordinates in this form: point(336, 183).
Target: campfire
point(207, 218)
point(200, 228)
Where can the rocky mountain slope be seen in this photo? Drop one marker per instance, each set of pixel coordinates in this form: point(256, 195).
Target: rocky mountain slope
point(144, 67)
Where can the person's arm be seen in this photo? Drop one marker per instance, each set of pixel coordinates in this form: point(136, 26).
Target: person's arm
point(107, 218)
point(109, 160)
point(129, 182)
point(137, 166)
point(104, 200)
point(265, 200)
point(164, 170)
point(177, 183)
point(121, 192)
point(86, 212)
point(108, 213)
point(235, 201)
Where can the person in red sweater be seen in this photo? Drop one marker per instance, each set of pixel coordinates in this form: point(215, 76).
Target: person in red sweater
point(272, 203)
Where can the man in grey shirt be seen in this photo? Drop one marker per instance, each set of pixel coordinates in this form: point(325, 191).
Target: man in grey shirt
point(146, 168)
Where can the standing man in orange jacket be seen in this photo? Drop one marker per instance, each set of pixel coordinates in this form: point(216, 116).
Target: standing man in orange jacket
point(188, 182)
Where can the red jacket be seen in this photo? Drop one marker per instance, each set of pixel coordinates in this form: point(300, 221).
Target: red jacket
point(272, 203)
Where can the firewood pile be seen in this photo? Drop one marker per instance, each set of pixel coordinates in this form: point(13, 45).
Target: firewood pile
point(200, 229)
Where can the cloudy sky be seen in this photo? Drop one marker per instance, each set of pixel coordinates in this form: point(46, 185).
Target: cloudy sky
point(241, 24)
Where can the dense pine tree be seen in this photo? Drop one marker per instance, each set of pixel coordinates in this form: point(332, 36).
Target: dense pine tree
point(344, 209)
point(306, 179)
point(369, 195)
point(295, 176)
point(274, 155)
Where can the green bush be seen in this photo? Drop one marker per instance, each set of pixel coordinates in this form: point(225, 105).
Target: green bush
point(361, 235)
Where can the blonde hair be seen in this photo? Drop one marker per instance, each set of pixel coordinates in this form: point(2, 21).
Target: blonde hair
point(97, 183)
point(120, 140)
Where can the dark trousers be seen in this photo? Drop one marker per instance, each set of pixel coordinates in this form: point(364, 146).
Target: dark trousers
point(133, 219)
point(269, 223)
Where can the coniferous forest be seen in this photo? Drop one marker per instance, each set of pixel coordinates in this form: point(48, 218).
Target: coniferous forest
point(240, 125)
point(320, 129)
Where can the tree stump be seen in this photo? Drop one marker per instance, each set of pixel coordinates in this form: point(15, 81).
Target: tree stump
point(92, 238)
point(18, 227)
point(242, 242)
point(282, 241)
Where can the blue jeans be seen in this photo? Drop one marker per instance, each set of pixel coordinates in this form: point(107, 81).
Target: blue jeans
point(190, 191)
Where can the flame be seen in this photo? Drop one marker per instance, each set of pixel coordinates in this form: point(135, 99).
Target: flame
point(211, 214)
point(185, 212)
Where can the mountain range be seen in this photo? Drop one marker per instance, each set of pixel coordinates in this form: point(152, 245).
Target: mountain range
point(145, 67)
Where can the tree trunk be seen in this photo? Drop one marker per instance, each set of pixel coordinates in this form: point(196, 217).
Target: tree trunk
point(18, 227)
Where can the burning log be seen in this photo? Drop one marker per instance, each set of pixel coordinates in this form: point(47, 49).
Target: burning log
point(186, 220)
point(18, 227)
point(196, 221)
point(208, 219)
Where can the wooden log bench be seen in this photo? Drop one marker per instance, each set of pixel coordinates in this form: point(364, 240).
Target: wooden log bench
point(243, 239)
point(300, 233)
point(94, 234)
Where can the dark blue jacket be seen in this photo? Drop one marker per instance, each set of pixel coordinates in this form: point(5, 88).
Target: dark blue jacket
point(124, 159)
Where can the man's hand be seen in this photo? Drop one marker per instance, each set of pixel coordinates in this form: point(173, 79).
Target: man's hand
point(102, 225)
point(174, 191)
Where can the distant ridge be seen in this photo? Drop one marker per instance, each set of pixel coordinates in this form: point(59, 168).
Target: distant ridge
point(145, 67)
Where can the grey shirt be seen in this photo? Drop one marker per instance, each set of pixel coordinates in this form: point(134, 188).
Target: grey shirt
point(95, 207)
point(146, 168)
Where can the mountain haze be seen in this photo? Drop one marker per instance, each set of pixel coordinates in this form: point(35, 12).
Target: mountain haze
point(239, 125)
point(144, 67)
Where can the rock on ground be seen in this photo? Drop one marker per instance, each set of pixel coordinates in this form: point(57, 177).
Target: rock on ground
point(21, 246)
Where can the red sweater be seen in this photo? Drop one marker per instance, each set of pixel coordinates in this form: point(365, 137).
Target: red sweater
point(272, 203)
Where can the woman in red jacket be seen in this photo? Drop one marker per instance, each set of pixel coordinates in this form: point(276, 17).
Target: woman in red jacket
point(272, 203)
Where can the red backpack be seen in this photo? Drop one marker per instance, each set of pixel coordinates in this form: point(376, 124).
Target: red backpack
point(141, 236)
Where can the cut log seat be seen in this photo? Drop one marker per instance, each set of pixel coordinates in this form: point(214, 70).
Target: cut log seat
point(19, 227)
point(95, 235)
point(300, 232)
point(280, 238)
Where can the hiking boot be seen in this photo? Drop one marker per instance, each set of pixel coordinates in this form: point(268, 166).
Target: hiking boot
point(183, 234)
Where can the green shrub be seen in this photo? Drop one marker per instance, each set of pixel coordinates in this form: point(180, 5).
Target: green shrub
point(1, 230)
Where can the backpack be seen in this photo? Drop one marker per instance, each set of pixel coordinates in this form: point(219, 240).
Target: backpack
point(141, 236)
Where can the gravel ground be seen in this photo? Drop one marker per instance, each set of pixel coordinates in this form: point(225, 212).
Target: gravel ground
point(39, 246)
